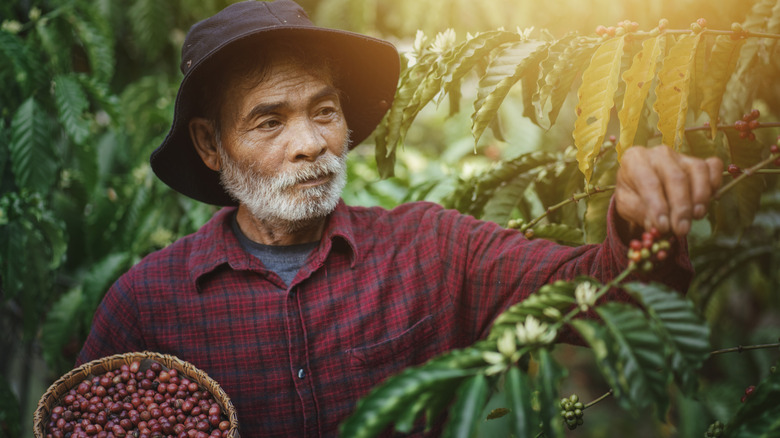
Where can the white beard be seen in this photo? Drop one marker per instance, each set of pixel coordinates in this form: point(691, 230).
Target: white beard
point(275, 199)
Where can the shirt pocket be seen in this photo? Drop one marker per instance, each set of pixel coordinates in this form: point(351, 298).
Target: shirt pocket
point(413, 346)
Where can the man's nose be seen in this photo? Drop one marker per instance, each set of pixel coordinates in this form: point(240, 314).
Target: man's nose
point(307, 143)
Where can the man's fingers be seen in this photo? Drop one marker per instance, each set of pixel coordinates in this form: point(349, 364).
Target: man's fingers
point(645, 198)
point(698, 173)
point(715, 166)
point(676, 187)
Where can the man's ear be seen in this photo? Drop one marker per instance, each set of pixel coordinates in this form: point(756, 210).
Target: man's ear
point(203, 136)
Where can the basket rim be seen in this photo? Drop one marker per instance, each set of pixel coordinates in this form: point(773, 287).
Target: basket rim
point(42, 412)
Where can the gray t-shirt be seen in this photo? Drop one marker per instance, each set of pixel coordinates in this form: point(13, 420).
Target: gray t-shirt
point(285, 260)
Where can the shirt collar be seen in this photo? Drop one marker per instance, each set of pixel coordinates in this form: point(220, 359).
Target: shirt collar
point(216, 244)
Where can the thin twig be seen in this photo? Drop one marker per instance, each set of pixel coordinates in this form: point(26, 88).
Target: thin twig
point(745, 174)
point(574, 198)
point(603, 396)
point(740, 348)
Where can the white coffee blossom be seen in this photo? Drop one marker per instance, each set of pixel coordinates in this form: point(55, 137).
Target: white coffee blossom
point(534, 331)
point(506, 356)
point(11, 26)
point(585, 294)
point(443, 41)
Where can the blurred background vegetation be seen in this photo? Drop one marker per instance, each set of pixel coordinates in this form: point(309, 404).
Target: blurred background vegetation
point(88, 88)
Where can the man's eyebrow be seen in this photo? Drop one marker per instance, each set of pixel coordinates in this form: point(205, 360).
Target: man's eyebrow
point(265, 108)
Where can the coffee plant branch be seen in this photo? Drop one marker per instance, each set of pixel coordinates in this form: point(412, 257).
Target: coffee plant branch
point(573, 199)
point(746, 173)
point(741, 348)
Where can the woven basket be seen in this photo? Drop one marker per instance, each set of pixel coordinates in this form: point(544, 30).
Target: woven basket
point(100, 366)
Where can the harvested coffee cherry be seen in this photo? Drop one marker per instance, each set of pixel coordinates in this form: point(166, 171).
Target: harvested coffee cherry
point(132, 402)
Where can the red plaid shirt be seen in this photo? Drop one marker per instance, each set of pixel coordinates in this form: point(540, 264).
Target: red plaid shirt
point(383, 291)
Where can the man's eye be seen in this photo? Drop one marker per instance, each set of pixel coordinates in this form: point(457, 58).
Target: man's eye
point(269, 124)
point(327, 111)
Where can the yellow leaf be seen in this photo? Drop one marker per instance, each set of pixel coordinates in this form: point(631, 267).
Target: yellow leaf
point(596, 99)
point(723, 61)
point(638, 79)
point(673, 88)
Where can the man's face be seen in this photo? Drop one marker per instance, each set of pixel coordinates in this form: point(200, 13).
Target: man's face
point(284, 144)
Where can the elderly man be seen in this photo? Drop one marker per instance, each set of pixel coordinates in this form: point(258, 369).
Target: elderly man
point(298, 304)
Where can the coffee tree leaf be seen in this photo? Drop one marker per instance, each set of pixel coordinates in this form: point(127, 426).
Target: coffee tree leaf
point(746, 194)
point(600, 342)
point(466, 56)
point(699, 76)
point(33, 158)
point(528, 84)
point(383, 405)
point(506, 68)
point(99, 47)
point(71, 101)
point(10, 411)
point(638, 79)
point(547, 305)
point(559, 73)
point(560, 233)
point(685, 333)
point(150, 22)
point(639, 352)
point(673, 89)
point(547, 382)
point(472, 195)
point(596, 99)
point(723, 61)
point(519, 396)
point(389, 132)
point(500, 205)
point(759, 416)
point(61, 323)
point(408, 416)
point(466, 413)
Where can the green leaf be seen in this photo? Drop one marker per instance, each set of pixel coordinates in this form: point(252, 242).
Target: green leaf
point(519, 396)
point(600, 342)
point(759, 416)
point(504, 70)
point(10, 412)
point(638, 350)
point(596, 99)
point(71, 103)
point(560, 233)
point(547, 305)
point(673, 89)
point(29, 73)
point(472, 195)
point(637, 79)
point(686, 334)
point(98, 47)
point(500, 205)
point(723, 61)
point(33, 158)
point(389, 132)
point(745, 197)
point(466, 413)
point(559, 73)
point(547, 382)
point(471, 52)
point(383, 404)
point(62, 322)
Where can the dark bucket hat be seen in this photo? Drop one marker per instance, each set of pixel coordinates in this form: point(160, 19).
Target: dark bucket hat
point(368, 70)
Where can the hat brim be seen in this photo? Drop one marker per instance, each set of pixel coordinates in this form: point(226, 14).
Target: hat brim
point(368, 70)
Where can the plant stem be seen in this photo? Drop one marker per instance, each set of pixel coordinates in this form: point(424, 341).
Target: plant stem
point(745, 174)
point(574, 198)
point(603, 396)
point(740, 348)
point(602, 290)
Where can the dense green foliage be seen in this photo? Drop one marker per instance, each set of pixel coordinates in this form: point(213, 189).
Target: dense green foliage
point(484, 125)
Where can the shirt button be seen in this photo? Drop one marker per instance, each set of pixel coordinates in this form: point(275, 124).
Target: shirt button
point(301, 374)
